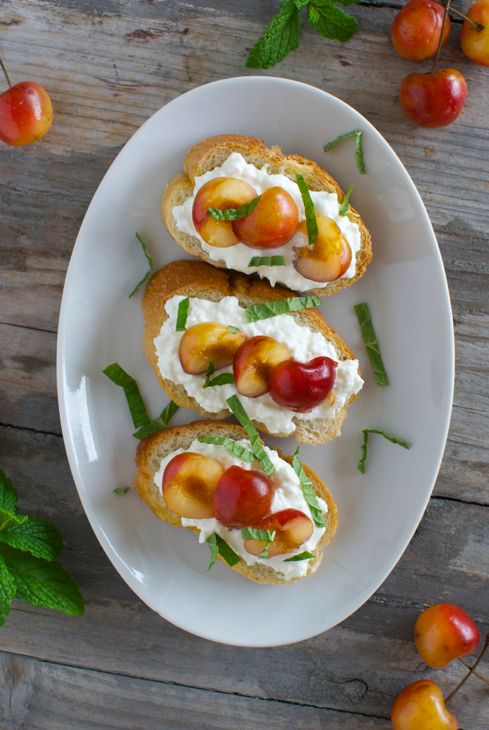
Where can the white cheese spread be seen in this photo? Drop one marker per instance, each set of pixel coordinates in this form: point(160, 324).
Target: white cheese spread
point(287, 494)
point(303, 343)
point(237, 257)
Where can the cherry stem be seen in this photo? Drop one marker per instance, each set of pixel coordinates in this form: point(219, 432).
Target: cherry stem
point(4, 69)
point(442, 31)
point(477, 26)
point(476, 673)
point(471, 671)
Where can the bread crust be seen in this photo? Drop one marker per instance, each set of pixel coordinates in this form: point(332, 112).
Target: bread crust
point(213, 151)
point(153, 449)
point(198, 279)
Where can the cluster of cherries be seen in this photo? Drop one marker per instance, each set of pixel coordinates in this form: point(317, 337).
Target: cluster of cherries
point(260, 365)
point(198, 487)
point(442, 633)
point(419, 30)
point(272, 223)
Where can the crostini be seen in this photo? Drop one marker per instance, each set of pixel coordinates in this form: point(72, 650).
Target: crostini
point(264, 515)
point(239, 206)
point(211, 334)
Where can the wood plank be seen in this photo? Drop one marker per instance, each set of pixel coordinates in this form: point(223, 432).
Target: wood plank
point(359, 665)
point(44, 696)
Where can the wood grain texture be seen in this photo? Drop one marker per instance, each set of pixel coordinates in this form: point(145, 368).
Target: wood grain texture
point(109, 65)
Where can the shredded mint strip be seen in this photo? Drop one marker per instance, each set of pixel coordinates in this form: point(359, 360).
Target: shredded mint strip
point(265, 310)
point(357, 134)
point(308, 491)
point(266, 536)
point(306, 555)
point(267, 261)
point(311, 222)
point(134, 400)
point(121, 490)
point(241, 452)
point(157, 424)
point(371, 344)
point(256, 443)
point(364, 447)
point(182, 315)
point(234, 214)
point(222, 379)
point(345, 206)
point(218, 546)
point(233, 329)
point(150, 264)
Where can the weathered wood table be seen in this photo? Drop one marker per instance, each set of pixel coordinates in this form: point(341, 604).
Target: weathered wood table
point(108, 65)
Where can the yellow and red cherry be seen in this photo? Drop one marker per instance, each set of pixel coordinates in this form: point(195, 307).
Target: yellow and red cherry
point(420, 706)
point(416, 29)
point(328, 258)
point(474, 37)
point(242, 497)
point(272, 223)
point(302, 386)
point(444, 632)
point(208, 342)
point(189, 483)
point(253, 363)
point(222, 193)
point(26, 113)
point(433, 99)
point(292, 528)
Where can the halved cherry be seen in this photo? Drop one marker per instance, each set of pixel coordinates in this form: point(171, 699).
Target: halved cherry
point(272, 223)
point(208, 342)
point(189, 482)
point(302, 386)
point(329, 257)
point(254, 361)
point(242, 497)
point(292, 528)
point(221, 192)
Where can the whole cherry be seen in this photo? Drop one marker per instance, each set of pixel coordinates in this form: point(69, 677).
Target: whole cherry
point(474, 37)
point(420, 706)
point(26, 112)
point(444, 632)
point(433, 99)
point(417, 28)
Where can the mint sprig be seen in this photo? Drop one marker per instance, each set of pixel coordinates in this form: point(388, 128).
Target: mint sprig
point(29, 569)
point(283, 33)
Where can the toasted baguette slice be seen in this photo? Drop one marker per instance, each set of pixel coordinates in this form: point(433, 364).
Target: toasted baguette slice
point(197, 279)
point(153, 449)
point(212, 152)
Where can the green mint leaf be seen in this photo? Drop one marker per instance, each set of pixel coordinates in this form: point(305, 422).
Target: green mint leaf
point(219, 546)
point(371, 344)
point(308, 491)
point(9, 520)
point(265, 310)
point(306, 555)
point(364, 447)
point(43, 583)
point(311, 222)
point(233, 329)
point(34, 536)
point(222, 379)
point(210, 371)
point(302, 3)
point(121, 490)
point(257, 446)
point(357, 134)
point(267, 261)
point(157, 424)
point(182, 315)
point(134, 400)
point(279, 39)
point(234, 214)
point(330, 21)
point(150, 264)
point(8, 588)
point(345, 206)
point(241, 452)
point(252, 533)
point(8, 495)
